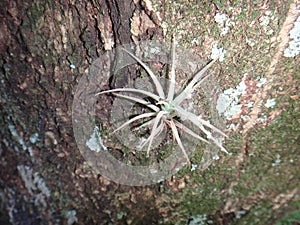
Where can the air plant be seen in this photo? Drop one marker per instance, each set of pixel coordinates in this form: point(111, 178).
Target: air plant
point(166, 109)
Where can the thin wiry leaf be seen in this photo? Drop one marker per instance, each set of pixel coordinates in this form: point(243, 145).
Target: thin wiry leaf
point(209, 125)
point(156, 82)
point(200, 82)
point(219, 145)
point(209, 136)
point(199, 75)
point(154, 130)
point(158, 131)
point(147, 93)
point(190, 87)
point(147, 123)
point(176, 135)
point(196, 120)
point(139, 100)
point(172, 79)
point(199, 123)
point(141, 116)
point(189, 131)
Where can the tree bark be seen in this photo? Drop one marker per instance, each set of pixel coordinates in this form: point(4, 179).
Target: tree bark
point(45, 48)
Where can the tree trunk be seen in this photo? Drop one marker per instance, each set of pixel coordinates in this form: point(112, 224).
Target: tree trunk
point(45, 47)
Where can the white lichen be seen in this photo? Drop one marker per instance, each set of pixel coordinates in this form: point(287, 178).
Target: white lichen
point(277, 160)
point(270, 103)
point(261, 82)
point(14, 133)
point(195, 41)
point(200, 219)
point(193, 167)
point(262, 119)
point(95, 143)
point(216, 157)
point(250, 42)
point(34, 183)
point(217, 52)
point(220, 18)
point(153, 171)
point(72, 66)
point(224, 23)
point(265, 20)
point(71, 217)
point(228, 101)
point(294, 45)
point(239, 214)
point(250, 104)
point(34, 138)
point(231, 126)
point(20, 140)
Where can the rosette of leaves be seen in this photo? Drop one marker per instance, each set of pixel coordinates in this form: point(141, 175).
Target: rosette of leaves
point(166, 109)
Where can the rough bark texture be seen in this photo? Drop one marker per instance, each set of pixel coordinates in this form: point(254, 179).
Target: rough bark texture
point(45, 47)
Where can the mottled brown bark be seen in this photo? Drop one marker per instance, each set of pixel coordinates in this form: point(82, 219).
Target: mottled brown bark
point(45, 47)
